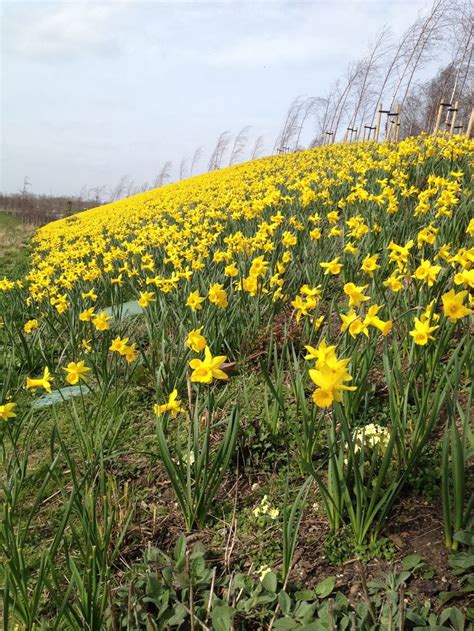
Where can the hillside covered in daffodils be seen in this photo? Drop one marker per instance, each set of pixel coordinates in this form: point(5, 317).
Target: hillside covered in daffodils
point(306, 312)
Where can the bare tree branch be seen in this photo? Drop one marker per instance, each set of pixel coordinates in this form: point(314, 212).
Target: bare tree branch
point(164, 175)
point(196, 157)
point(219, 150)
point(257, 148)
point(239, 145)
point(182, 169)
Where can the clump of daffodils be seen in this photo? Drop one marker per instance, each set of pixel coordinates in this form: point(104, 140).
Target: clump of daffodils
point(30, 326)
point(305, 304)
point(128, 351)
point(329, 375)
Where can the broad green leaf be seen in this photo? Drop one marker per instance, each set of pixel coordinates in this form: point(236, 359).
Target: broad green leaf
point(285, 623)
point(180, 552)
point(446, 596)
point(461, 560)
point(284, 601)
point(222, 617)
point(411, 561)
point(179, 615)
point(324, 588)
point(269, 582)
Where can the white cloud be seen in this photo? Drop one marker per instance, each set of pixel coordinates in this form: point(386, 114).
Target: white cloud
point(302, 33)
point(291, 47)
point(66, 29)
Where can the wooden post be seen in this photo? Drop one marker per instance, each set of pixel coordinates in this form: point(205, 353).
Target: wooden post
point(351, 134)
point(470, 124)
point(442, 105)
point(379, 120)
point(453, 118)
point(363, 133)
point(393, 117)
point(389, 128)
point(368, 129)
point(438, 120)
point(397, 123)
point(327, 138)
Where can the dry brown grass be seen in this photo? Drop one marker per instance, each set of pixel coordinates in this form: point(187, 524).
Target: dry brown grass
point(13, 236)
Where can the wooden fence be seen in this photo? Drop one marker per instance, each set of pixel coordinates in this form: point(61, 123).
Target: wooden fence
point(390, 126)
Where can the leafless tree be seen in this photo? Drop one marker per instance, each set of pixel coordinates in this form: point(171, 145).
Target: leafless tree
point(39, 209)
point(83, 192)
point(424, 37)
point(462, 29)
point(25, 187)
point(119, 190)
point(301, 110)
point(368, 72)
point(182, 169)
point(164, 175)
point(217, 155)
point(239, 145)
point(309, 110)
point(391, 70)
point(422, 103)
point(257, 148)
point(465, 73)
point(322, 116)
point(97, 191)
point(130, 188)
point(289, 132)
point(412, 121)
point(196, 157)
point(342, 102)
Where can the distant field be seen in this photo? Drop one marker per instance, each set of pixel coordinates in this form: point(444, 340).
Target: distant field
point(14, 236)
point(7, 220)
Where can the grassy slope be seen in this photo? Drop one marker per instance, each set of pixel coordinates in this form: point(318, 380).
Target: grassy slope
point(156, 520)
point(14, 236)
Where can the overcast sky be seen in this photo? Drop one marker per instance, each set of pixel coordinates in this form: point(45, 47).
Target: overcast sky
point(92, 91)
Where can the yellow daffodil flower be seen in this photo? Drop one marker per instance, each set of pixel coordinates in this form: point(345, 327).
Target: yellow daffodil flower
point(205, 371)
point(76, 372)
